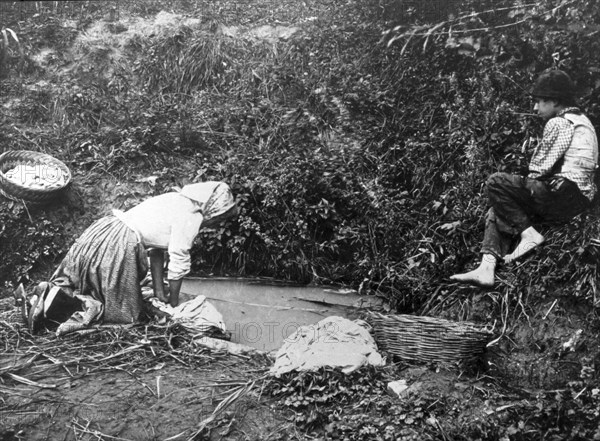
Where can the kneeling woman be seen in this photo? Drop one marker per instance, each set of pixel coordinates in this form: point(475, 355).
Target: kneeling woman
point(103, 269)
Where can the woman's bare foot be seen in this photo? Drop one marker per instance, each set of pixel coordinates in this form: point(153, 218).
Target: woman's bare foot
point(530, 239)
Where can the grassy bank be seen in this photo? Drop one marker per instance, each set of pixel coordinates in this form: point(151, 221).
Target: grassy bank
point(357, 137)
point(355, 161)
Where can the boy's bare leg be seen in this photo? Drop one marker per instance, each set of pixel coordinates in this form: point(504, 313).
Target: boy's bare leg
point(530, 239)
point(483, 275)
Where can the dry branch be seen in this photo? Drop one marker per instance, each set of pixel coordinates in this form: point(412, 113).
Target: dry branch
point(434, 30)
point(233, 397)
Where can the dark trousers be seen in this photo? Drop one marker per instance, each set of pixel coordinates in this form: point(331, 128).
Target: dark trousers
point(517, 202)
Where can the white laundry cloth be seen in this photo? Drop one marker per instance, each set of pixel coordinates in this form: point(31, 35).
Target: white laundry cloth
point(197, 315)
point(334, 341)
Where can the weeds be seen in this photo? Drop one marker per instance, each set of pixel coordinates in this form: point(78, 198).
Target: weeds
point(343, 178)
point(26, 241)
point(354, 162)
point(5, 50)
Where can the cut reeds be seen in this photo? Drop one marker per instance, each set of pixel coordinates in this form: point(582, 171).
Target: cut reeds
point(235, 394)
point(32, 361)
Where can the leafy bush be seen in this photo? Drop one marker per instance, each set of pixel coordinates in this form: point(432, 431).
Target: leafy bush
point(26, 242)
point(331, 405)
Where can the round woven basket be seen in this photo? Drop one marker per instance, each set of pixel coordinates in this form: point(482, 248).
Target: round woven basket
point(429, 339)
point(34, 164)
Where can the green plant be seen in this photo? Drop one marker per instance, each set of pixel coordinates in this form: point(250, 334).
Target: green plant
point(28, 238)
point(5, 49)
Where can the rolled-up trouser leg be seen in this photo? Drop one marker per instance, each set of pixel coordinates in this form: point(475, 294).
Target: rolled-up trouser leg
point(496, 240)
point(512, 198)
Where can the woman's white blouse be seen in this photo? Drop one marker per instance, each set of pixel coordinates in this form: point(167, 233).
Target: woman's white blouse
point(169, 221)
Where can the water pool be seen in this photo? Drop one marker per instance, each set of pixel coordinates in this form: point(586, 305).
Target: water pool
point(262, 315)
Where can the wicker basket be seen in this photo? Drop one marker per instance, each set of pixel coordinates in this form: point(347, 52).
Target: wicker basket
point(35, 163)
point(429, 339)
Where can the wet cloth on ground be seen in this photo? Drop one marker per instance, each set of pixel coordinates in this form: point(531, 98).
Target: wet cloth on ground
point(334, 342)
point(197, 315)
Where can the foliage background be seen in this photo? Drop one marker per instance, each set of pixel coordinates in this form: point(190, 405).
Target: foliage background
point(358, 148)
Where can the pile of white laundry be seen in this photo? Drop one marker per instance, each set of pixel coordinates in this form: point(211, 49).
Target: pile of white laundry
point(333, 342)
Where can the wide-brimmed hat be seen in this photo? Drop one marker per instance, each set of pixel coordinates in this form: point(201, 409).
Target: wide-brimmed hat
point(554, 84)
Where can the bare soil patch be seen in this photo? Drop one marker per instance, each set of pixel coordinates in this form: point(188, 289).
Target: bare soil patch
point(142, 383)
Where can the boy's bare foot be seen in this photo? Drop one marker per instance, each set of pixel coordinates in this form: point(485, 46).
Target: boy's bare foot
point(480, 276)
point(530, 239)
point(483, 275)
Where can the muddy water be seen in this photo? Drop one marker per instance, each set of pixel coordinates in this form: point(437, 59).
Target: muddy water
point(263, 315)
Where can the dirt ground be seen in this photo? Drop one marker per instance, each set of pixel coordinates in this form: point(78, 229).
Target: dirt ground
point(65, 392)
point(151, 404)
point(141, 384)
point(152, 383)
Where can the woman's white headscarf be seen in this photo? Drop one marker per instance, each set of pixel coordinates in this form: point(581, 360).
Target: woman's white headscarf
point(213, 197)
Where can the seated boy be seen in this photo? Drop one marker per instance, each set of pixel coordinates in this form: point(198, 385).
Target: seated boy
point(559, 185)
